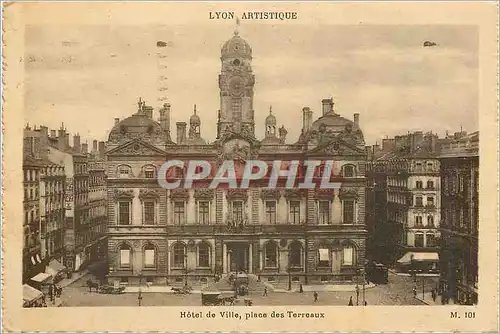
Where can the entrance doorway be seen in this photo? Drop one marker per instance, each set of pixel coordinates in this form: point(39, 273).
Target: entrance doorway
point(238, 256)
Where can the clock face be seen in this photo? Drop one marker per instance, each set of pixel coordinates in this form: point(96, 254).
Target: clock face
point(236, 85)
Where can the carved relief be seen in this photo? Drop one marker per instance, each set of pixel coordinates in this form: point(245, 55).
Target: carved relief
point(294, 193)
point(179, 194)
point(324, 193)
point(348, 193)
point(123, 193)
point(149, 193)
point(233, 194)
point(270, 194)
point(204, 193)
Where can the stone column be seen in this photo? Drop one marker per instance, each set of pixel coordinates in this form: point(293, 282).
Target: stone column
point(224, 258)
point(336, 208)
point(250, 258)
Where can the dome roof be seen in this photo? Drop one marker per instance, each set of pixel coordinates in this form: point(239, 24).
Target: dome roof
point(271, 119)
point(236, 47)
point(136, 125)
point(194, 119)
point(334, 122)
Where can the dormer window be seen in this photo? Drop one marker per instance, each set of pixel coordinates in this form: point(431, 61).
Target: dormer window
point(348, 171)
point(149, 172)
point(124, 172)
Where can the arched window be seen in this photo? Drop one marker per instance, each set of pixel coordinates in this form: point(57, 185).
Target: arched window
point(124, 172)
point(149, 256)
point(125, 256)
point(419, 185)
point(430, 221)
point(204, 255)
point(418, 201)
point(430, 184)
point(271, 253)
point(295, 254)
point(348, 255)
point(418, 221)
point(419, 240)
point(348, 171)
point(179, 255)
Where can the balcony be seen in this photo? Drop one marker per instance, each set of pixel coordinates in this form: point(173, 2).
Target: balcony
point(136, 229)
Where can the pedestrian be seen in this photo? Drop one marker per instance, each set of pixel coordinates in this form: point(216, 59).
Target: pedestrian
point(357, 291)
point(265, 291)
point(315, 294)
point(301, 289)
point(434, 294)
point(415, 292)
point(365, 303)
point(350, 302)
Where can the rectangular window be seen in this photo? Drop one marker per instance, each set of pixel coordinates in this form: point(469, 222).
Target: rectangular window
point(178, 213)
point(149, 174)
point(430, 201)
point(348, 256)
point(204, 212)
point(124, 213)
point(238, 211)
point(324, 212)
point(348, 213)
point(123, 172)
point(125, 257)
point(271, 212)
point(324, 257)
point(294, 212)
point(431, 240)
point(149, 213)
point(149, 257)
point(204, 257)
point(418, 201)
point(419, 240)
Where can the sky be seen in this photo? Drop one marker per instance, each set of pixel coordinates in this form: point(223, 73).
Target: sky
point(86, 75)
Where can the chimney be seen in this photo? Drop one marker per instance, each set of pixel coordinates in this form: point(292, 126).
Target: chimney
point(181, 132)
point(53, 134)
point(85, 148)
point(148, 111)
point(165, 119)
point(117, 120)
point(306, 118)
point(61, 139)
point(76, 142)
point(66, 141)
point(327, 105)
point(102, 150)
point(94, 146)
point(356, 119)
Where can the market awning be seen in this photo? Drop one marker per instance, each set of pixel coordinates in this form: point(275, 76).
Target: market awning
point(41, 277)
point(30, 293)
point(418, 257)
point(54, 268)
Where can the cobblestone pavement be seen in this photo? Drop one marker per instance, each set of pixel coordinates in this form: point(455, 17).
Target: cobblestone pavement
point(397, 292)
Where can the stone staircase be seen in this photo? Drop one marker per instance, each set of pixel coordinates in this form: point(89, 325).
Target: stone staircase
point(254, 286)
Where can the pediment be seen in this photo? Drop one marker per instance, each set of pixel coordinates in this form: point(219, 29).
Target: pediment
point(336, 146)
point(136, 148)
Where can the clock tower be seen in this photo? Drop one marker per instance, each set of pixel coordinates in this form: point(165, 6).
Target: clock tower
point(236, 83)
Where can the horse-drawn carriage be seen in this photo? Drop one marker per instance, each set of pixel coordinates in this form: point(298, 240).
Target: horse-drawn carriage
point(217, 298)
point(182, 291)
point(107, 289)
point(240, 283)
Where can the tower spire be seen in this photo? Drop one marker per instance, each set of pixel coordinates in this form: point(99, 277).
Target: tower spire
point(237, 28)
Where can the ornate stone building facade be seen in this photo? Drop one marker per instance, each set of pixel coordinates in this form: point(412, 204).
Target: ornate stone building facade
point(284, 234)
point(460, 218)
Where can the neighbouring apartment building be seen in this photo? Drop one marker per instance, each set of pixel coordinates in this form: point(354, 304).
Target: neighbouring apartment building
point(172, 236)
point(460, 218)
point(68, 228)
point(404, 202)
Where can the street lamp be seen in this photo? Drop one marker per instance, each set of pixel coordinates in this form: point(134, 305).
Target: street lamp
point(139, 296)
point(357, 287)
point(364, 285)
point(185, 270)
point(289, 270)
